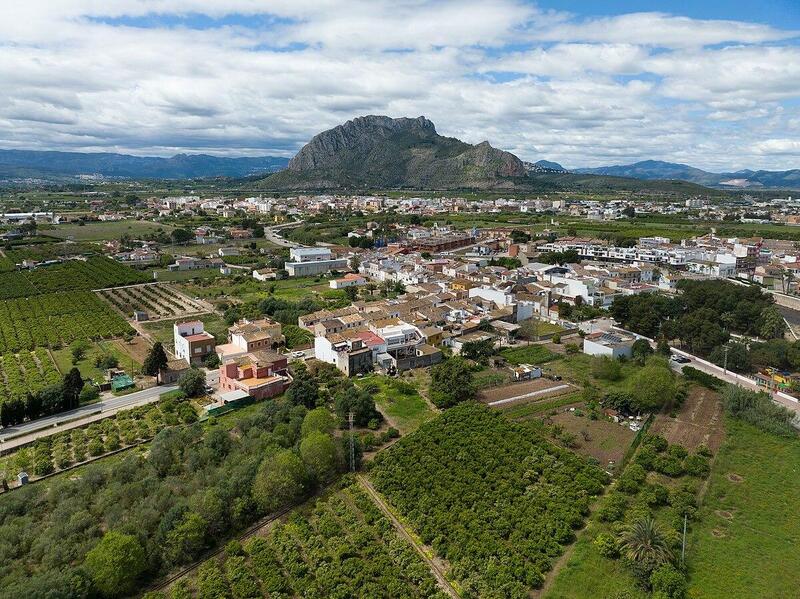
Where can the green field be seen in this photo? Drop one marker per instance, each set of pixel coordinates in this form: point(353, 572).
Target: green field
point(99, 231)
point(528, 354)
point(249, 289)
point(86, 366)
point(746, 543)
point(403, 406)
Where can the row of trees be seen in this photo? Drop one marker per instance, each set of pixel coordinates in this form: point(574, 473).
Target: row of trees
point(50, 400)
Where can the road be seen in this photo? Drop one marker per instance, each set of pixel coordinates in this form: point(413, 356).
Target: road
point(732, 378)
point(376, 497)
point(15, 436)
point(271, 235)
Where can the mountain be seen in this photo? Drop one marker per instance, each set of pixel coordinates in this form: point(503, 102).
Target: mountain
point(57, 165)
point(544, 166)
point(382, 152)
point(656, 169)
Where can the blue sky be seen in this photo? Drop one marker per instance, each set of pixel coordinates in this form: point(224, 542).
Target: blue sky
point(714, 84)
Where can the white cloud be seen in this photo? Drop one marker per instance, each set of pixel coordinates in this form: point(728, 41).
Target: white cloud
point(541, 84)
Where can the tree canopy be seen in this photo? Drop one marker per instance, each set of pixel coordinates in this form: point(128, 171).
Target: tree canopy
point(115, 563)
point(452, 382)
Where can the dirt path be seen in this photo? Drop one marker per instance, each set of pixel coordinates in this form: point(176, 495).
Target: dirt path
point(376, 497)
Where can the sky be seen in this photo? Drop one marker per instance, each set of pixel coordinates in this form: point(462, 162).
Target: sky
point(714, 84)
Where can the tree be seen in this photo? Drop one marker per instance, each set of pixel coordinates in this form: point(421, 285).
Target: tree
point(644, 544)
point(641, 350)
point(319, 454)
point(318, 420)
point(477, 350)
point(304, 390)
point(738, 357)
point(662, 347)
point(155, 361)
point(653, 386)
point(78, 349)
point(193, 382)
point(115, 563)
point(181, 235)
point(451, 382)
point(72, 387)
point(186, 540)
point(280, 481)
point(773, 325)
point(668, 583)
point(359, 402)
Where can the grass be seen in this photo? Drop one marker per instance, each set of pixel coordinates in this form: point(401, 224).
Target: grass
point(162, 330)
point(528, 354)
point(248, 289)
point(406, 411)
point(63, 360)
point(528, 410)
point(99, 231)
point(753, 554)
point(577, 369)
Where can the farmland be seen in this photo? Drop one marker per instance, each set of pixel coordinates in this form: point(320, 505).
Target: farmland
point(342, 547)
point(56, 319)
point(744, 545)
point(158, 300)
point(93, 273)
point(399, 401)
point(99, 231)
point(528, 354)
point(24, 372)
point(456, 482)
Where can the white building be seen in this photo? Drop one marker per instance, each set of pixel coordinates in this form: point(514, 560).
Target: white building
point(306, 262)
point(612, 345)
point(192, 342)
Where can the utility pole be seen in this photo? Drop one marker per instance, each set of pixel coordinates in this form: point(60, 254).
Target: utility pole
point(683, 546)
point(350, 418)
point(726, 359)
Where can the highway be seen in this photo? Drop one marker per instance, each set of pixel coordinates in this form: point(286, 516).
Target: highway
point(271, 235)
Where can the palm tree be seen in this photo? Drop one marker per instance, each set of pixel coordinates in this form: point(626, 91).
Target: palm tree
point(644, 542)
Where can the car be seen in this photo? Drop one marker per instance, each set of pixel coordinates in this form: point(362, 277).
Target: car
point(298, 354)
point(679, 359)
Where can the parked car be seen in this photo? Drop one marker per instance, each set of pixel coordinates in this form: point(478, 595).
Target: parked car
point(679, 359)
point(298, 354)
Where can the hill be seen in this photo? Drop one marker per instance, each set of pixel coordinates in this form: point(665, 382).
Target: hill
point(58, 165)
point(657, 169)
point(381, 152)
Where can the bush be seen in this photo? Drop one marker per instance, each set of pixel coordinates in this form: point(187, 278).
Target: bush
point(677, 451)
point(758, 410)
point(572, 348)
point(669, 465)
point(646, 457)
point(613, 510)
point(655, 495)
point(668, 583)
point(696, 465)
point(703, 378)
point(657, 442)
point(607, 545)
point(95, 447)
point(632, 479)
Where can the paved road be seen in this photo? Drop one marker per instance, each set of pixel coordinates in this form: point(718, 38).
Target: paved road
point(272, 234)
point(13, 436)
point(733, 379)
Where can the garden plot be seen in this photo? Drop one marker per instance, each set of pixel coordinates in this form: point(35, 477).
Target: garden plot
point(524, 392)
point(700, 421)
point(156, 299)
point(26, 372)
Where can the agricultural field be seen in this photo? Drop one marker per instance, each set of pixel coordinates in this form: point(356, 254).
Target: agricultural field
point(158, 300)
point(457, 482)
point(100, 231)
point(94, 273)
point(700, 421)
point(26, 372)
point(47, 251)
point(745, 543)
point(65, 449)
point(128, 358)
point(528, 354)
point(399, 401)
point(248, 289)
point(524, 392)
point(57, 319)
point(343, 546)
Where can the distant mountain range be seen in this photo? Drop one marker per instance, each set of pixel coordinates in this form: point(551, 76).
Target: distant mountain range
point(656, 169)
point(17, 164)
point(544, 166)
point(382, 152)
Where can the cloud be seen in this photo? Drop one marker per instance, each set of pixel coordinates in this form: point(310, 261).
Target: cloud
point(261, 77)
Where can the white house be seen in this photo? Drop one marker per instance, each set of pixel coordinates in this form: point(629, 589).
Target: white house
point(614, 345)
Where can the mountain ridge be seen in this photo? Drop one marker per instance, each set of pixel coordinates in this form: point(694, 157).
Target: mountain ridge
point(661, 170)
point(47, 164)
point(380, 151)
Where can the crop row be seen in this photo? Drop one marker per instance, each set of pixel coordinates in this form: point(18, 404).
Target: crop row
point(128, 427)
point(56, 319)
point(27, 371)
point(94, 273)
point(344, 548)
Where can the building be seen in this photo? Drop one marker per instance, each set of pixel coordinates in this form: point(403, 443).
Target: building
point(613, 345)
point(349, 280)
point(192, 342)
point(348, 352)
point(306, 262)
point(259, 374)
point(175, 368)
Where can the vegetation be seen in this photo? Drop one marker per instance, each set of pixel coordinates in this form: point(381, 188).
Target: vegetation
point(400, 401)
point(528, 354)
point(57, 319)
point(451, 382)
point(759, 410)
point(456, 481)
point(342, 546)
